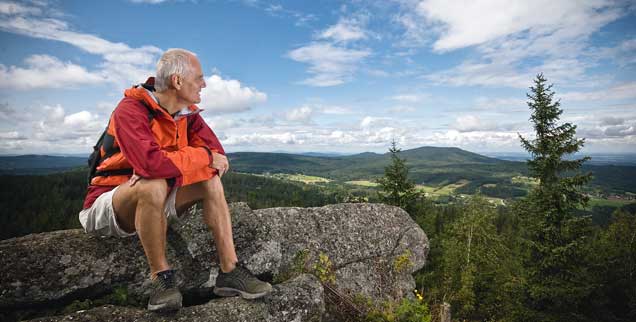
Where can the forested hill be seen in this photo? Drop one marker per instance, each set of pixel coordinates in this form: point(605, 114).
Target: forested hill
point(427, 165)
point(38, 164)
point(361, 165)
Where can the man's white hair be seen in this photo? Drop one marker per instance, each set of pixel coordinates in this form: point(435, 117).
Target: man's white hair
point(175, 61)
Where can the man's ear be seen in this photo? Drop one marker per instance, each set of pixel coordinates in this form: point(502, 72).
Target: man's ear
point(176, 81)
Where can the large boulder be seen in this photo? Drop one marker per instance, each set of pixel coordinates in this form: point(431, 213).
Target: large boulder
point(296, 300)
point(356, 249)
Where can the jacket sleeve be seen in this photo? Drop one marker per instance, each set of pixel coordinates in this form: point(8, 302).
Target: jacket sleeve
point(137, 143)
point(200, 135)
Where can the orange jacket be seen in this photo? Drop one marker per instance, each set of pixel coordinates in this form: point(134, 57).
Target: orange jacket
point(174, 148)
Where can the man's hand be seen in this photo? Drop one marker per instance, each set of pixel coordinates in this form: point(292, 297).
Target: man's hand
point(220, 163)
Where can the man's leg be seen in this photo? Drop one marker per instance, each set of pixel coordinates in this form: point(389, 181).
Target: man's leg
point(233, 279)
point(141, 208)
point(216, 215)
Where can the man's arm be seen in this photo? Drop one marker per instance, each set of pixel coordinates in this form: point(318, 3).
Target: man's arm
point(137, 143)
point(200, 135)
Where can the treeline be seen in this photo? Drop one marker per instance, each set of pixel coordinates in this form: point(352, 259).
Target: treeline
point(40, 203)
point(539, 259)
point(478, 262)
point(33, 203)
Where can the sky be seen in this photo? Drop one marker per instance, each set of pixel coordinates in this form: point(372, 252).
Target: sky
point(324, 76)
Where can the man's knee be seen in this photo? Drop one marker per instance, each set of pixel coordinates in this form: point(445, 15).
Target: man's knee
point(153, 191)
point(213, 189)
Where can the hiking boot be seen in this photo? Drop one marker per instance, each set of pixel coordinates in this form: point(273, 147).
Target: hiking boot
point(240, 282)
point(164, 294)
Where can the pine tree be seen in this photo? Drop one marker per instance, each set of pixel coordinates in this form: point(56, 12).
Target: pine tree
point(395, 187)
point(557, 239)
point(552, 143)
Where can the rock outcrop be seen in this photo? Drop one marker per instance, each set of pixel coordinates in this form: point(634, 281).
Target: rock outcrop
point(359, 249)
point(299, 299)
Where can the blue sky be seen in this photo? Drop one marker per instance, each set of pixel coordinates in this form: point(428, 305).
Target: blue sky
point(324, 76)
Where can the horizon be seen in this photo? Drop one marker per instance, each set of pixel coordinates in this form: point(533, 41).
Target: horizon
point(336, 153)
point(325, 77)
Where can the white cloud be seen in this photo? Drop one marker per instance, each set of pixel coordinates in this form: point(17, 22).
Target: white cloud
point(344, 31)
point(509, 104)
point(266, 139)
point(475, 141)
point(122, 64)
point(220, 123)
point(402, 109)
point(474, 123)
point(12, 135)
point(374, 134)
point(330, 64)
point(79, 119)
point(53, 114)
point(610, 120)
point(229, 96)
point(410, 98)
point(467, 23)
point(515, 40)
point(600, 126)
point(302, 114)
point(369, 122)
point(13, 116)
point(274, 9)
point(336, 110)
point(617, 92)
point(45, 71)
point(54, 29)
point(621, 54)
point(277, 10)
point(620, 131)
point(13, 8)
point(50, 129)
point(469, 123)
point(416, 33)
point(332, 59)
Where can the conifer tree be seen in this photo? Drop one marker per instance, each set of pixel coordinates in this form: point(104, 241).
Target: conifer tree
point(395, 187)
point(557, 262)
point(552, 143)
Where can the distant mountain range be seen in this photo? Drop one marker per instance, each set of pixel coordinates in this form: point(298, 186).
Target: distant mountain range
point(39, 164)
point(427, 165)
point(597, 158)
point(430, 165)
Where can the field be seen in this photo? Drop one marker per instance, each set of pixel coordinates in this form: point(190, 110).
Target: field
point(363, 183)
point(597, 202)
point(302, 178)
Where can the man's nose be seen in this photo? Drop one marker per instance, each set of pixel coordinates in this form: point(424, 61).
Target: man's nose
point(203, 85)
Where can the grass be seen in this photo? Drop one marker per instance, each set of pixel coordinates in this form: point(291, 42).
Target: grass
point(608, 203)
point(296, 177)
point(526, 181)
point(307, 179)
point(441, 190)
point(363, 183)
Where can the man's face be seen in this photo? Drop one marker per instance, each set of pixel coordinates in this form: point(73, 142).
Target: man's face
point(192, 83)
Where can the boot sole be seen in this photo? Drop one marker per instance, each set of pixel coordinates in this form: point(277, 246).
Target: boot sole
point(228, 291)
point(165, 307)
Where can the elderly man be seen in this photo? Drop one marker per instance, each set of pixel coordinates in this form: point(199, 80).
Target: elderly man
point(157, 158)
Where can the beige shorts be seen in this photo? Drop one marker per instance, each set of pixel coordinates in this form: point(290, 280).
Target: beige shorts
point(100, 219)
